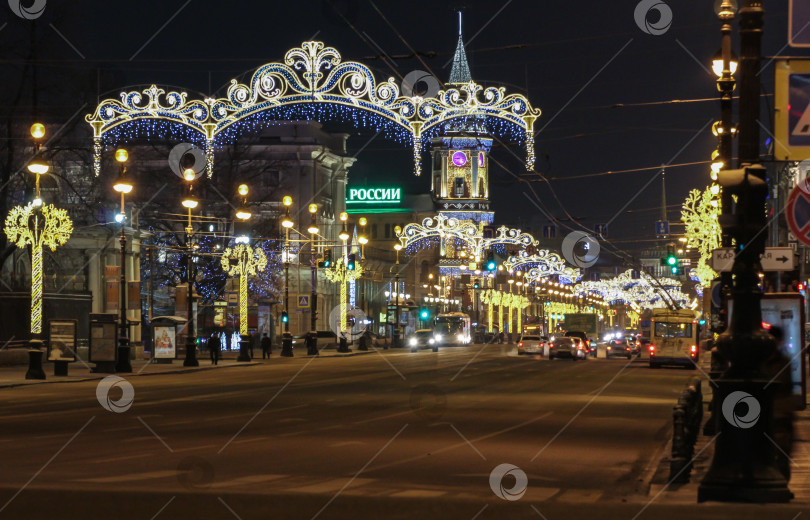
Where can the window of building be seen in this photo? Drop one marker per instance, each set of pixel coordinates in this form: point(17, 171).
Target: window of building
point(373, 231)
point(388, 231)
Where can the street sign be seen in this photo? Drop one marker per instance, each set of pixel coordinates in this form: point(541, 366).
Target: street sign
point(777, 259)
point(601, 230)
point(303, 301)
point(662, 227)
point(797, 212)
point(792, 109)
point(773, 259)
point(799, 24)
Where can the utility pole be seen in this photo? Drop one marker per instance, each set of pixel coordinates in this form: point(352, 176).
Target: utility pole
point(744, 463)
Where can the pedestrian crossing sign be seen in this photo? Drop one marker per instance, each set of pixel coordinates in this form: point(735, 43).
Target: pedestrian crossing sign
point(303, 301)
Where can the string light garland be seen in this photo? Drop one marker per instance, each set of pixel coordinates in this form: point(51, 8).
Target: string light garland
point(314, 83)
point(699, 214)
point(38, 226)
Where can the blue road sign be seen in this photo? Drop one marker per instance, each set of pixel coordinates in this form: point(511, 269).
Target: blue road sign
point(549, 231)
point(662, 227)
point(717, 299)
point(601, 230)
point(799, 23)
point(303, 301)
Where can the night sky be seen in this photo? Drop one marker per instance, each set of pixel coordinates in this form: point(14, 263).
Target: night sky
point(575, 60)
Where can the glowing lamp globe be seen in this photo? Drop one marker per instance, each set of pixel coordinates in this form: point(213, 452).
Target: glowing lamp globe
point(363, 221)
point(243, 189)
point(189, 203)
point(287, 200)
point(287, 223)
point(343, 235)
point(243, 214)
point(38, 165)
point(37, 130)
point(121, 155)
point(188, 174)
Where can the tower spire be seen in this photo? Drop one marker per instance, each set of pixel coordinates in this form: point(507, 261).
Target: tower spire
point(460, 73)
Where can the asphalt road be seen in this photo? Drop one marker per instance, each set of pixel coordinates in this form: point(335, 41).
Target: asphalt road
point(382, 435)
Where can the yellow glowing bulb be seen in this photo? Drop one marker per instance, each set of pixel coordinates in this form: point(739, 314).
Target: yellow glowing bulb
point(287, 200)
point(313, 208)
point(363, 240)
point(363, 221)
point(37, 130)
point(243, 189)
point(287, 223)
point(344, 216)
point(243, 214)
point(189, 174)
point(397, 230)
point(398, 247)
point(189, 203)
point(343, 236)
point(121, 155)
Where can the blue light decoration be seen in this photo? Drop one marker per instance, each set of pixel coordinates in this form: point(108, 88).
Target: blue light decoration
point(313, 83)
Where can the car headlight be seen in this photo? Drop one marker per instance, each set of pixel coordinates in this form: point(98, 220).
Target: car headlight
point(431, 341)
point(437, 337)
point(461, 337)
point(412, 342)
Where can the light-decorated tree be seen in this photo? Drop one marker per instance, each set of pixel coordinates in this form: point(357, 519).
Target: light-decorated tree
point(702, 229)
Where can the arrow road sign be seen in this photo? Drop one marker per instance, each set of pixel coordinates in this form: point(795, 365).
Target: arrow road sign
point(773, 259)
point(662, 227)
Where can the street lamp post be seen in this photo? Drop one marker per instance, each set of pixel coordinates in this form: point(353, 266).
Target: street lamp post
point(286, 223)
point(189, 202)
point(37, 225)
point(312, 337)
point(744, 465)
point(395, 328)
point(344, 237)
point(123, 186)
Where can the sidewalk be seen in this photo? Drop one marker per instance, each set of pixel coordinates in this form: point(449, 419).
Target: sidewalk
point(11, 376)
point(677, 494)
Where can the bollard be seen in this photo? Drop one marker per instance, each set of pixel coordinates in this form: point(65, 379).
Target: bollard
point(286, 345)
point(312, 343)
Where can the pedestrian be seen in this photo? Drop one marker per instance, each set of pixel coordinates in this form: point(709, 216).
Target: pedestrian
point(254, 338)
point(214, 346)
point(777, 368)
point(267, 346)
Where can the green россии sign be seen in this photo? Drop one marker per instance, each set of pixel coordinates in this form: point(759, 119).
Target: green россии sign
point(373, 195)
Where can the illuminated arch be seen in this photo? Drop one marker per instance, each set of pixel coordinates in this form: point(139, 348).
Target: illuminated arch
point(312, 80)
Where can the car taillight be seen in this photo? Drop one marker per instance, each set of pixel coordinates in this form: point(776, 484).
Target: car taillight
point(520, 344)
point(652, 350)
point(551, 345)
point(694, 350)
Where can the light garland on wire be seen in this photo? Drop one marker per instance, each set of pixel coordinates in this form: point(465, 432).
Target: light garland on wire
point(699, 215)
point(38, 226)
point(542, 264)
point(313, 74)
point(243, 261)
point(643, 291)
point(340, 275)
point(462, 232)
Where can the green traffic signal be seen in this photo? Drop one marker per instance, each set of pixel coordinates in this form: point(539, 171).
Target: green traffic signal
point(424, 314)
point(672, 260)
point(285, 318)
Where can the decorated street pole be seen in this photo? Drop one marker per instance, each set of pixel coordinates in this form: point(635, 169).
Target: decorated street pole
point(342, 275)
point(37, 225)
point(243, 261)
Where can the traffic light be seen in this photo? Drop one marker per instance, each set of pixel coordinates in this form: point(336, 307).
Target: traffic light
point(490, 264)
point(670, 260)
point(326, 262)
point(424, 314)
point(350, 263)
point(476, 285)
point(285, 318)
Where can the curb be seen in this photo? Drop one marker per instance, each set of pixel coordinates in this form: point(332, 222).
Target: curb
point(88, 378)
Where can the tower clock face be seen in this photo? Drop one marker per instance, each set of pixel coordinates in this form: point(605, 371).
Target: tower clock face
point(459, 159)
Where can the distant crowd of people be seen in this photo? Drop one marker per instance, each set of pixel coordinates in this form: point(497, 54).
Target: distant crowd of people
point(257, 341)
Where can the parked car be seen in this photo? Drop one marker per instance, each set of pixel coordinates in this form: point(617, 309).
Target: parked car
point(563, 348)
point(422, 338)
point(618, 347)
point(530, 344)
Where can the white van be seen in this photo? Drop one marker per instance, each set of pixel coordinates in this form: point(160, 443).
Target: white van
point(674, 338)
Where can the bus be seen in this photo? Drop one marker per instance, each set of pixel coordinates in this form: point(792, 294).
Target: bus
point(452, 328)
point(674, 338)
